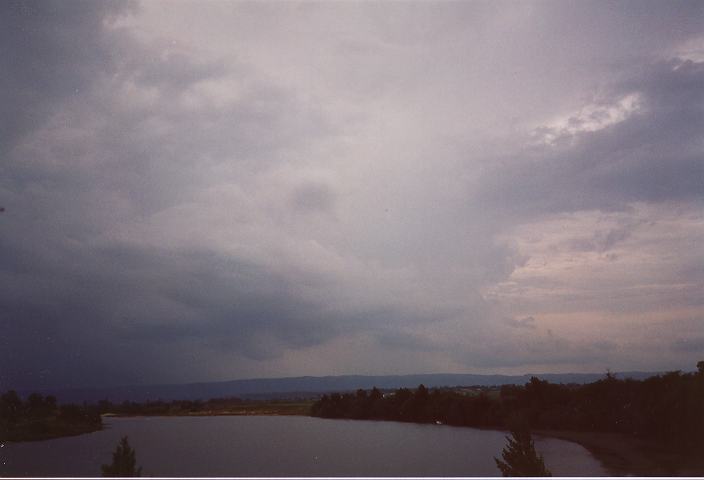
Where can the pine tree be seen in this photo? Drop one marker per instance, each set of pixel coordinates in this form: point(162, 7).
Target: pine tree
point(123, 462)
point(520, 458)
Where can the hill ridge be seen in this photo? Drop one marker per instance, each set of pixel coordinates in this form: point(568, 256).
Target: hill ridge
point(309, 385)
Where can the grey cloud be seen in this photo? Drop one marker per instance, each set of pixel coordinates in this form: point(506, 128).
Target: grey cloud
point(693, 273)
point(172, 71)
point(652, 156)
point(153, 231)
point(90, 308)
point(604, 345)
point(534, 348)
point(49, 51)
point(603, 240)
point(615, 235)
point(140, 160)
point(509, 353)
point(127, 299)
point(402, 340)
point(694, 345)
point(313, 197)
point(527, 322)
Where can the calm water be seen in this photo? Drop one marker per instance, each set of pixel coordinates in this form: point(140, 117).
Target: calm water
point(285, 446)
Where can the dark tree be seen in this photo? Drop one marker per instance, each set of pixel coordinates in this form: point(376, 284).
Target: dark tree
point(520, 458)
point(666, 409)
point(36, 406)
point(10, 406)
point(124, 463)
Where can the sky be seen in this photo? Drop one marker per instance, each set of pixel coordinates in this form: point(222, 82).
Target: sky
point(205, 191)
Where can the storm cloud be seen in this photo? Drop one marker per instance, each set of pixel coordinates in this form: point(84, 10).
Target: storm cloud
point(208, 192)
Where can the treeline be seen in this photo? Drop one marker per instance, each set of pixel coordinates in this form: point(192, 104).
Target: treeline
point(668, 408)
point(175, 407)
point(39, 417)
point(214, 406)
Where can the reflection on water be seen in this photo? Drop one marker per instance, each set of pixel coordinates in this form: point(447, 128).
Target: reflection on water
point(285, 446)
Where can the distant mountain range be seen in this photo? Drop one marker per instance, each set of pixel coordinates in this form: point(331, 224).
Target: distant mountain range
point(297, 387)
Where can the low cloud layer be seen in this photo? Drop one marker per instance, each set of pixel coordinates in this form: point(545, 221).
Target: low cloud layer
point(209, 192)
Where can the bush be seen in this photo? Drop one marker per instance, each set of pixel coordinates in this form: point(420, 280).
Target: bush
point(123, 462)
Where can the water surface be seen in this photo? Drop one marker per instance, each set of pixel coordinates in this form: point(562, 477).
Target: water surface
point(285, 446)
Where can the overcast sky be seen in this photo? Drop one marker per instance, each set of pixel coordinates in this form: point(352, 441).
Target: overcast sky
point(198, 191)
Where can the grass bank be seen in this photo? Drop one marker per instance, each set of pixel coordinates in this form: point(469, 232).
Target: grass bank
point(46, 429)
point(243, 408)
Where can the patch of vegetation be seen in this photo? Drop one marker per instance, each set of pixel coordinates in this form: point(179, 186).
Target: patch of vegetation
point(40, 418)
point(519, 458)
point(124, 462)
point(215, 406)
point(665, 409)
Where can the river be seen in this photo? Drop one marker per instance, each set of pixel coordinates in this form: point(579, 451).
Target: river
point(285, 446)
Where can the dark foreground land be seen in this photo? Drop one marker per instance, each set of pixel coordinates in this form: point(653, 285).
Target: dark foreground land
point(39, 418)
point(626, 455)
point(653, 427)
point(649, 427)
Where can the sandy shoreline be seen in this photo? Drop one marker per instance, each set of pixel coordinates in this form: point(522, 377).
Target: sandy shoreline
point(627, 455)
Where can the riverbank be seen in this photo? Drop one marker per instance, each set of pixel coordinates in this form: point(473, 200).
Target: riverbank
point(627, 455)
point(47, 430)
point(622, 455)
point(251, 409)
